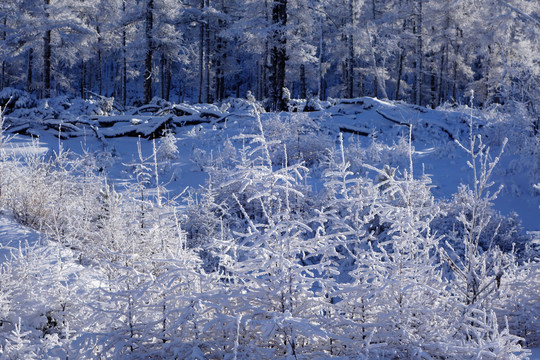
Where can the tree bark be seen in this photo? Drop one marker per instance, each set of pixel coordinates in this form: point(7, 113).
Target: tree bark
point(278, 55)
point(162, 66)
point(221, 58)
point(442, 76)
point(321, 52)
point(124, 59)
point(201, 53)
point(149, 24)
point(459, 35)
point(83, 79)
point(100, 63)
point(29, 74)
point(419, 53)
point(207, 58)
point(378, 78)
point(399, 74)
point(47, 56)
point(303, 92)
point(4, 35)
point(168, 79)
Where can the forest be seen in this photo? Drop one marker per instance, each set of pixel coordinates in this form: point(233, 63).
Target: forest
point(270, 179)
point(422, 52)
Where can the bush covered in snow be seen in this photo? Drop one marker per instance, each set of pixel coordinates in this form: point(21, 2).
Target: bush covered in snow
point(11, 99)
point(298, 245)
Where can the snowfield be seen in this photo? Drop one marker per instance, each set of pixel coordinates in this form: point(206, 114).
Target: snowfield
point(353, 231)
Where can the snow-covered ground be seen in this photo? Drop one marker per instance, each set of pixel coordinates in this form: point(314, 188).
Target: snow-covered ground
point(201, 138)
point(14, 236)
point(378, 130)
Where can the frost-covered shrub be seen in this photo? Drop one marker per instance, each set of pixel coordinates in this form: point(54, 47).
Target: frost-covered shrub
point(487, 338)
point(314, 104)
point(100, 106)
point(519, 301)
point(380, 154)
point(299, 135)
point(242, 106)
point(11, 99)
point(500, 231)
point(167, 149)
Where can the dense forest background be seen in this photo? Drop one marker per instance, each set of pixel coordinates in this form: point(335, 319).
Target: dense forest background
point(423, 52)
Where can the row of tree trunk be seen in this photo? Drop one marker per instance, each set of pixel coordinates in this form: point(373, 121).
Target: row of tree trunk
point(421, 74)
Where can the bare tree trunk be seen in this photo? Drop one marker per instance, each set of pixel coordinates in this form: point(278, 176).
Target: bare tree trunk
point(83, 79)
point(350, 58)
point(220, 74)
point(100, 72)
point(29, 74)
point(221, 58)
point(433, 84)
point(378, 77)
point(47, 57)
point(459, 34)
point(399, 74)
point(165, 68)
point(258, 83)
point(419, 53)
point(201, 54)
point(149, 51)
point(207, 57)
point(487, 77)
point(162, 64)
point(350, 68)
point(442, 76)
point(100, 63)
point(278, 54)
point(168, 79)
point(321, 52)
point(124, 59)
point(373, 45)
point(303, 92)
point(4, 35)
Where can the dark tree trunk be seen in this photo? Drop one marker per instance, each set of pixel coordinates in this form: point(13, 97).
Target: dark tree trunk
point(278, 55)
point(373, 46)
point(350, 67)
point(459, 35)
point(149, 24)
point(165, 66)
point(207, 58)
point(321, 52)
point(201, 54)
point(100, 63)
point(83, 79)
point(258, 90)
point(303, 92)
point(162, 66)
point(47, 57)
point(221, 58)
point(419, 53)
point(168, 80)
point(399, 74)
point(4, 35)
point(29, 74)
point(220, 76)
point(124, 59)
point(487, 92)
point(100, 73)
point(442, 68)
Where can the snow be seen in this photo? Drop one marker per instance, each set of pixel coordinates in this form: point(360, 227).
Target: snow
point(199, 128)
point(375, 132)
point(535, 353)
point(14, 236)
